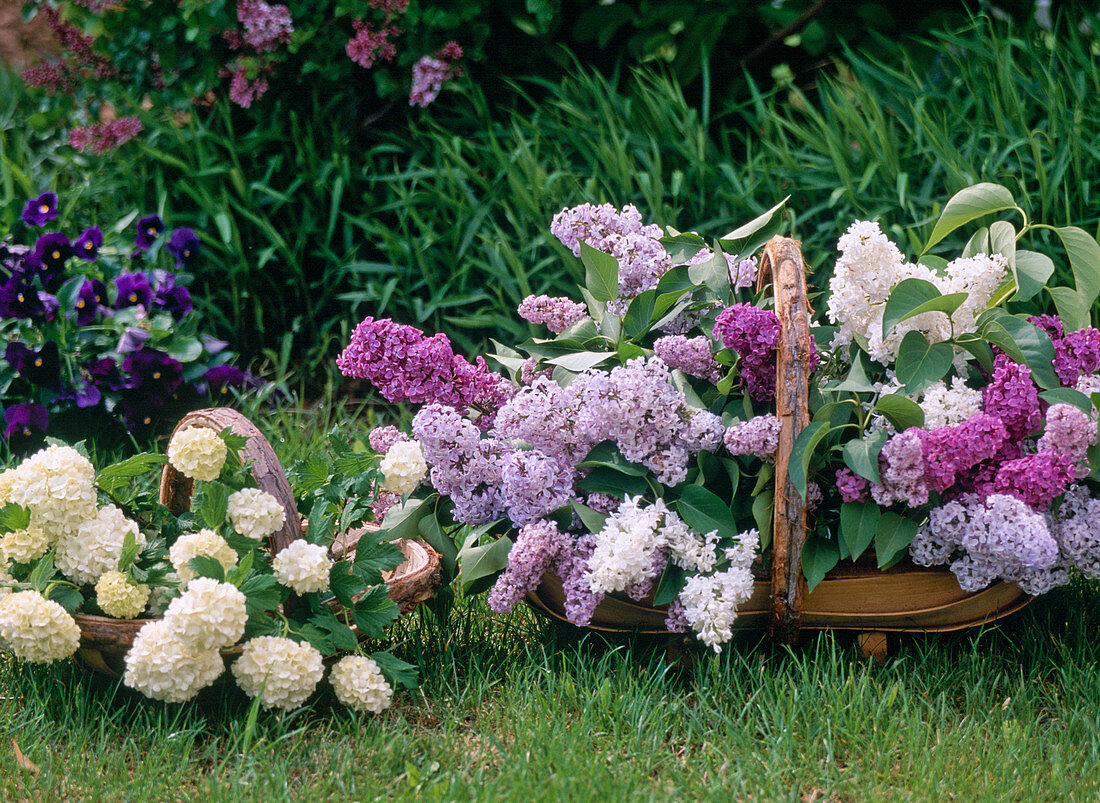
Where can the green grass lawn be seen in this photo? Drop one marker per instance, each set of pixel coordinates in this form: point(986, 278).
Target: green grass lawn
point(512, 708)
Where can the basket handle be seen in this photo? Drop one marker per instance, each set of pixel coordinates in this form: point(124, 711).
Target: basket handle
point(176, 489)
point(782, 261)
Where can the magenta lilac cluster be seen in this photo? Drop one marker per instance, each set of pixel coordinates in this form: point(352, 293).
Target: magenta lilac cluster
point(1012, 397)
point(852, 487)
point(407, 366)
point(752, 333)
point(1076, 354)
point(692, 355)
point(555, 313)
point(382, 438)
point(430, 73)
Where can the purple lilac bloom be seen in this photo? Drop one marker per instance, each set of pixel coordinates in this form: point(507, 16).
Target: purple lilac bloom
point(1078, 355)
point(89, 242)
point(382, 504)
point(901, 468)
point(814, 495)
point(603, 503)
point(1077, 530)
point(676, 621)
point(643, 589)
point(556, 313)
point(754, 334)
point(542, 416)
point(1002, 529)
point(1070, 432)
point(265, 26)
point(133, 290)
point(533, 485)
point(704, 432)
point(25, 420)
point(1012, 397)
point(949, 451)
point(537, 547)
point(184, 246)
point(572, 568)
point(382, 438)
point(692, 355)
point(528, 372)
point(407, 366)
point(153, 374)
point(1035, 479)
point(852, 487)
point(759, 437)
point(148, 229)
point(40, 210)
point(41, 367)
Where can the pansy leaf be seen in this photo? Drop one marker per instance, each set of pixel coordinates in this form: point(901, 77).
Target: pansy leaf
point(968, 204)
point(819, 555)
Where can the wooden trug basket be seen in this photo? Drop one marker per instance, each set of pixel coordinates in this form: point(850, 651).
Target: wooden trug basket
point(859, 596)
point(104, 641)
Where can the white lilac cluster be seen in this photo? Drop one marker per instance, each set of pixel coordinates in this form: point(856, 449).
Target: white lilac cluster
point(403, 467)
point(708, 603)
point(870, 266)
point(359, 684)
point(119, 597)
point(630, 547)
point(174, 658)
point(96, 546)
point(255, 514)
point(57, 486)
point(36, 629)
point(279, 671)
point(205, 543)
point(198, 453)
point(302, 567)
point(945, 405)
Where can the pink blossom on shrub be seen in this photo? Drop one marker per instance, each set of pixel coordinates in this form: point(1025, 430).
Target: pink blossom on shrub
point(429, 74)
point(265, 26)
point(102, 137)
point(369, 45)
point(242, 91)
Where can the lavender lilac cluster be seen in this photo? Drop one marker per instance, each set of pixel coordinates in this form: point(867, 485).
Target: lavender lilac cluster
point(1012, 397)
point(556, 313)
point(759, 437)
point(134, 377)
point(692, 355)
point(407, 366)
point(537, 548)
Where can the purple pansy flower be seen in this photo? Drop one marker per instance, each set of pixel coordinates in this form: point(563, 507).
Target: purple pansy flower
point(222, 377)
point(89, 301)
point(104, 374)
point(41, 367)
point(83, 393)
point(49, 255)
point(25, 420)
point(89, 242)
point(148, 229)
point(153, 373)
point(133, 290)
point(212, 344)
point(184, 246)
point(175, 298)
point(50, 305)
point(132, 340)
point(19, 299)
point(41, 209)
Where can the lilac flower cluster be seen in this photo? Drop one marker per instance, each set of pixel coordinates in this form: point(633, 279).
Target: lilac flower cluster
point(754, 334)
point(382, 438)
point(742, 273)
point(1069, 432)
point(1035, 479)
point(431, 72)
point(759, 437)
point(1077, 529)
point(535, 551)
point(406, 366)
point(1076, 354)
point(692, 355)
point(572, 567)
point(950, 451)
point(543, 417)
point(529, 371)
point(901, 468)
point(265, 26)
point(852, 487)
point(534, 485)
point(99, 138)
point(1012, 397)
point(556, 313)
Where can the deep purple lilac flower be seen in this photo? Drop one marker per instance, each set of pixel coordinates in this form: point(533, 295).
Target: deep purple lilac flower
point(90, 301)
point(950, 451)
point(752, 333)
point(852, 487)
point(148, 229)
point(1012, 397)
point(1035, 479)
point(25, 420)
point(40, 367)
point(133, 290)
point(536, 548)
point(184, 246)
point(89, 242)
point(40, 210)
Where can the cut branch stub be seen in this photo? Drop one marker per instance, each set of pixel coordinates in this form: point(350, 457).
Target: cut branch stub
point(782, 260)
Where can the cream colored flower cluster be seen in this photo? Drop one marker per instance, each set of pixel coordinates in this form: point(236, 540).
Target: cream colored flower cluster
point(303, 567)
point(403, 467)
point(359, 684)
point(57, 485)
point(96, 546)
point(206, 543)
point(37, 629)
point(117, 596)
point(198, 453)
point(255, 514)
point(281, 672)
point(24, 546)
point(174, 658)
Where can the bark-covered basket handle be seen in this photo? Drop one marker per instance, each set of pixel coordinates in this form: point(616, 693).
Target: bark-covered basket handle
point(782, 262)
point(176, 489)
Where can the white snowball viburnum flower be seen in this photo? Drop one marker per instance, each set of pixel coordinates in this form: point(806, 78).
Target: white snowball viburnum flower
point(208, 616)
point(198, 453)
point(206, 543)
point(24, 546)
point(57, 485)
point(280, 671)
point(403, 467)
point(120, 598)
point(359, 684)
point(7, 479)
point(303, 567)
point(161, 666)
point(255, 513)
point(96, 546)
point(37, 629)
